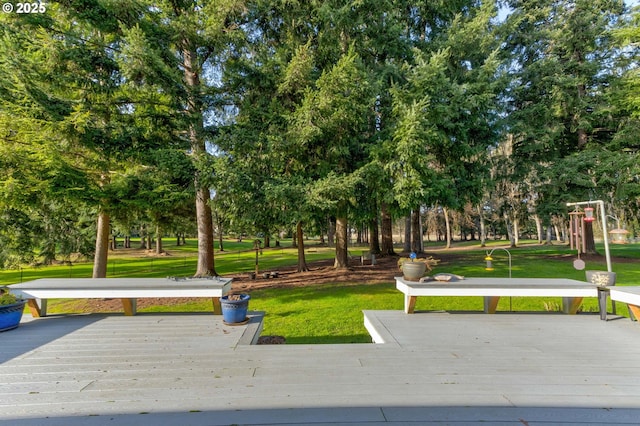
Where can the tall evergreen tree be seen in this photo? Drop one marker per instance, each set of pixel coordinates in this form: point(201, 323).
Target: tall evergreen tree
point(176, 52)
point(61, 77)
point(563, 68)
point(447, 115)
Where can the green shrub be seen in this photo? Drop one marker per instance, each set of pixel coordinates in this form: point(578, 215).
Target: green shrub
point(7, 298)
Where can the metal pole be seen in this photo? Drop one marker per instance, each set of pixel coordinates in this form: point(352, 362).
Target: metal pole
point(582, 234)
point(508, 252)
point(605, 236)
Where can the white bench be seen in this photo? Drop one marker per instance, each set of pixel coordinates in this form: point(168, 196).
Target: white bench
point(127, 289)
point(571, 291)
point(628, 295)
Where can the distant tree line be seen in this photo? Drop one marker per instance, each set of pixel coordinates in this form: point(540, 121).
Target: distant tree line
point(312, 117)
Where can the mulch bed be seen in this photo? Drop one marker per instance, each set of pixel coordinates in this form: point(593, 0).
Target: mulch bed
point(271, 340)
point(320, 272)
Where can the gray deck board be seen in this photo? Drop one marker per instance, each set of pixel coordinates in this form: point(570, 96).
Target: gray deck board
point(439, 368)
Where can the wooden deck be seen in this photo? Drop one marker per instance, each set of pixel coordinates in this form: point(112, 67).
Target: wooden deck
point(435, 368)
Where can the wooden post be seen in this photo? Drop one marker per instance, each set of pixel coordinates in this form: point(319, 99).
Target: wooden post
point(410, 304)
point(491, 304)
point(217, 307)
point(129, 306)
point(635, 310)
point(570, 305)
point(38, 307)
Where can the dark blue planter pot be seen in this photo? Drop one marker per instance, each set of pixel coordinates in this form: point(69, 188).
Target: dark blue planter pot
point(234, 311)
point(10, 315)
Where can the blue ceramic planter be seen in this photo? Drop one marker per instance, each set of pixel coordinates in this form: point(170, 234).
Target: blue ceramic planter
point(10, 315)
point(234, 311)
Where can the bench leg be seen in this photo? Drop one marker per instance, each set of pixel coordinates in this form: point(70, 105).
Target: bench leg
point(491, 304)
point(217, 308)
point(602, 303)
point(409, 304)
point(129, 306)
point(38, 307)
point(634, 311)
point(570, 305)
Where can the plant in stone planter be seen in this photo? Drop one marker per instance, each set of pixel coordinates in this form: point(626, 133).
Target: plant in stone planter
point(601, 278)
point(11, 309)
point(413, 268)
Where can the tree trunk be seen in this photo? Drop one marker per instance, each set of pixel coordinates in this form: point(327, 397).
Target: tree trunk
point(342, 253)
point(302, 262)
point(220, 236)
point(158, 240)
point(331, 233)
point(220, 243)
point(204, 222)
point(582, 133)
point(589, 241)
point(420, 233)
point(407, 234)
point(447, 224)
point(483, 228)
point(102, 246)
point(416, 236)
point(374, 241)
point(387, 231)
point(536, 218)
point(204, 219)
point(508, 227)
point(516, 232)
point(143, 238)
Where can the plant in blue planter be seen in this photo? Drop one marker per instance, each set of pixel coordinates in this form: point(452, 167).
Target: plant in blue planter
point(234, 308)
point(11, 309)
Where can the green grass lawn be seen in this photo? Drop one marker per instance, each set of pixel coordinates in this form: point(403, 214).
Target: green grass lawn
point(332, 313)
point(180, 261)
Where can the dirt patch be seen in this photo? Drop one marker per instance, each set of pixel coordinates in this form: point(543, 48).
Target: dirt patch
point(321, 272)
point(271, 340)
